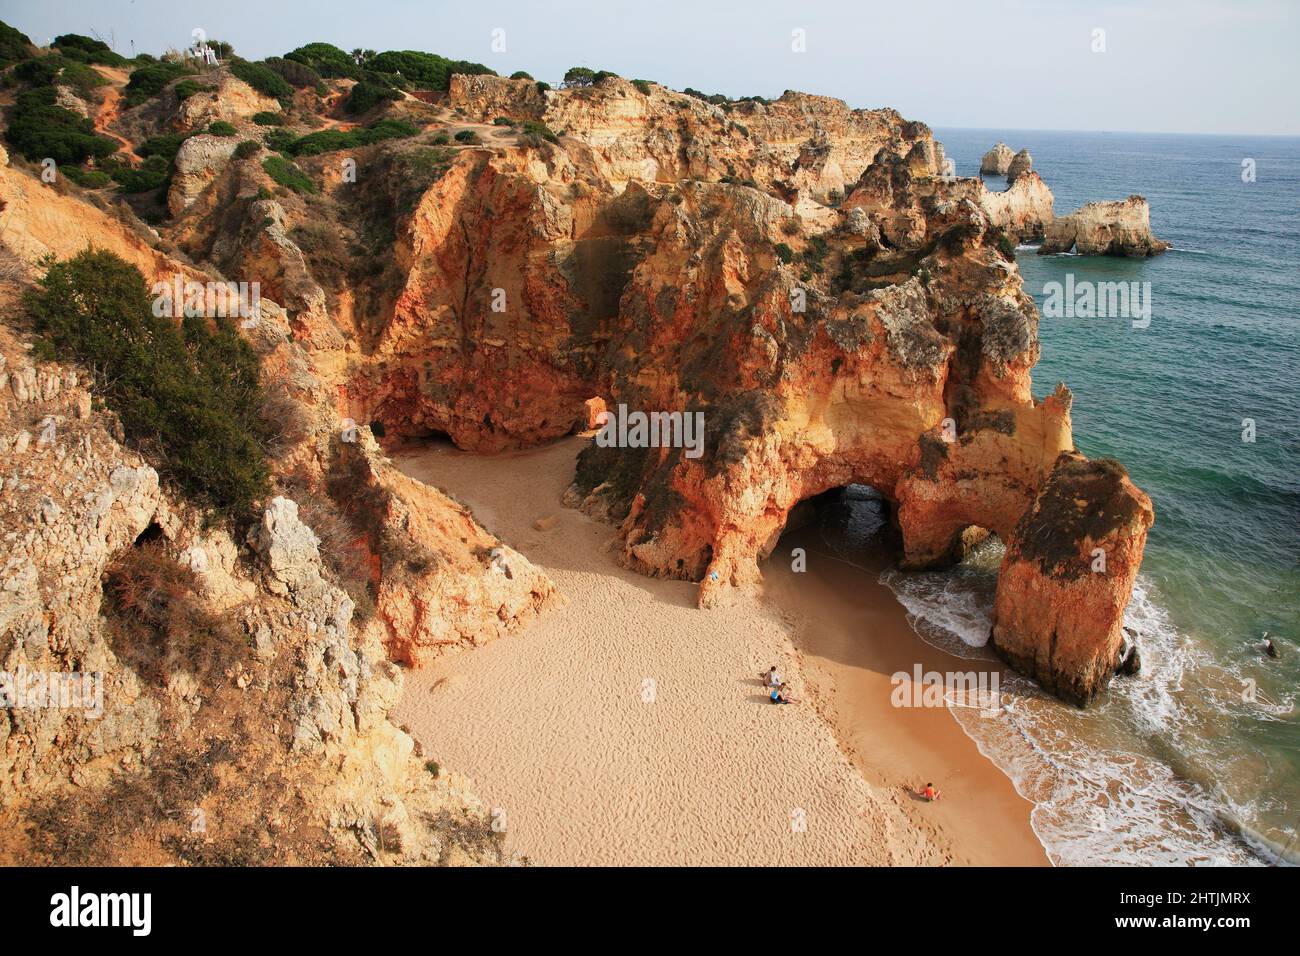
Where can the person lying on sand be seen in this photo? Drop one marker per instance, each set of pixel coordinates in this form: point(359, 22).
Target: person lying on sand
point(929, 793)
point(772, 678)
point(778, 695)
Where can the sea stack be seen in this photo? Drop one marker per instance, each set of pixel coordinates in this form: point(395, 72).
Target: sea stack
point(1020, 164)
point(997, 160)
point(1114, 228)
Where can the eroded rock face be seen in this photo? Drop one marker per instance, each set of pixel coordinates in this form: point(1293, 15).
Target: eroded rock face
point(198, 161)
point(1020, 164)
point(997, 160)
point(802, 275)
point(1114, 228)
point(224, 97)
point(1023, 210)
point(1067, 576)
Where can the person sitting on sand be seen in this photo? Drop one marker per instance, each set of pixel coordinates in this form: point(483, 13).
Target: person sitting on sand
point(778, 695)
point(772, 678)
point(929, 793)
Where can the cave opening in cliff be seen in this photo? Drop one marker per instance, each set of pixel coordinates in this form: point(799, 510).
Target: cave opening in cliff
point(852, 523)
point(153, 532)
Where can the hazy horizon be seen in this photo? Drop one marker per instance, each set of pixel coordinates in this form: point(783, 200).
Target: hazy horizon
point(1201, 67)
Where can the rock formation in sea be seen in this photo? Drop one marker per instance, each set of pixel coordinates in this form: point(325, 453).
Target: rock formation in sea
point(1114, 228)
point(997, 160)
point(1020, 164)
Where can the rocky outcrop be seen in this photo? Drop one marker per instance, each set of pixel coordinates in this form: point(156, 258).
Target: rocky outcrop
point(1020, 164)
point(442, 583)
point(1115, 228)
point(1067, 575)
point(1023, 210)
point(673, 256)
point(997, 160)
point(197, 163)
point(223, 97)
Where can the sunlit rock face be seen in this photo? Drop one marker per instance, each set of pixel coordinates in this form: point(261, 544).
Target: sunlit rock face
point(803, 275)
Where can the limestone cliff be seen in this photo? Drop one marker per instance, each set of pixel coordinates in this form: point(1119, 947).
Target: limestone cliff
point(1115, 228)
point(674, 256)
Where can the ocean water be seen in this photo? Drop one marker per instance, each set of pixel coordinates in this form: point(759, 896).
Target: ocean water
point(1196, 760)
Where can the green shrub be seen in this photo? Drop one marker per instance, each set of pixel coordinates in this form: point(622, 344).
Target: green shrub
point(187, 88)
point(279, 139)
point(266, 118)
point(263, 79)
point(149, 175)
point(148, 81)
point(425, 70)
point(326, 59)
point(440, 139)
point(1006, 246)
point(365, 96)
point(502, 121)
point(288, 175)
point(642, 85)
point(166, 145)
point(467, 137)
point(292, 72)
point(87, 178)
point(328, 140)
point(579, 76)
point(521, 75)
point(88, 50)
point(61, 71)
point(247, 148)
point(221, 128)
point(187, 395)
point(534, 128)
point(39, 128)
point(14, 45)
point(542, 87)
point(784, 252)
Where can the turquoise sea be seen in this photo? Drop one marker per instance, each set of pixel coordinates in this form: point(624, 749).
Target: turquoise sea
point(1196, 761)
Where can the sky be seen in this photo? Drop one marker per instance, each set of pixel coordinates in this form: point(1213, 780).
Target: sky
point(1189, 66)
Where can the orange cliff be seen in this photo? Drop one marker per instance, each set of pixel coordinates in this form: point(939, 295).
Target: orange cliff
point(803, 274)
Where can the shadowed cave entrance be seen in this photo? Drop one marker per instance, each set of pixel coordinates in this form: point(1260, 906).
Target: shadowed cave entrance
point(857, 524)
point(853, 523)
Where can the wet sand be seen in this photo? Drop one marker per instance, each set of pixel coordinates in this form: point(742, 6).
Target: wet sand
point(631, 727)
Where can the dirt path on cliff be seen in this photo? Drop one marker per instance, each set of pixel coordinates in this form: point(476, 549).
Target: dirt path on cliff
point(630, 727)
point(110, 108)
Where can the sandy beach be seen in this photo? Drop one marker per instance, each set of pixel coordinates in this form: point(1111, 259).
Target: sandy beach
point(631, 727)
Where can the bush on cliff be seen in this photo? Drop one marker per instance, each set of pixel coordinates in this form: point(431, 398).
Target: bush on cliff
point(288, 175)
point(39, 129)
point(88, 50)
point(148, 81)
point(366, 95)
point(294, 73)
point(187, 393)
point(425, 70)
point(14, 45)
point(56, 70)
point(263, 79)
point(326, 59)
point(149, 175)
point(328, 140)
